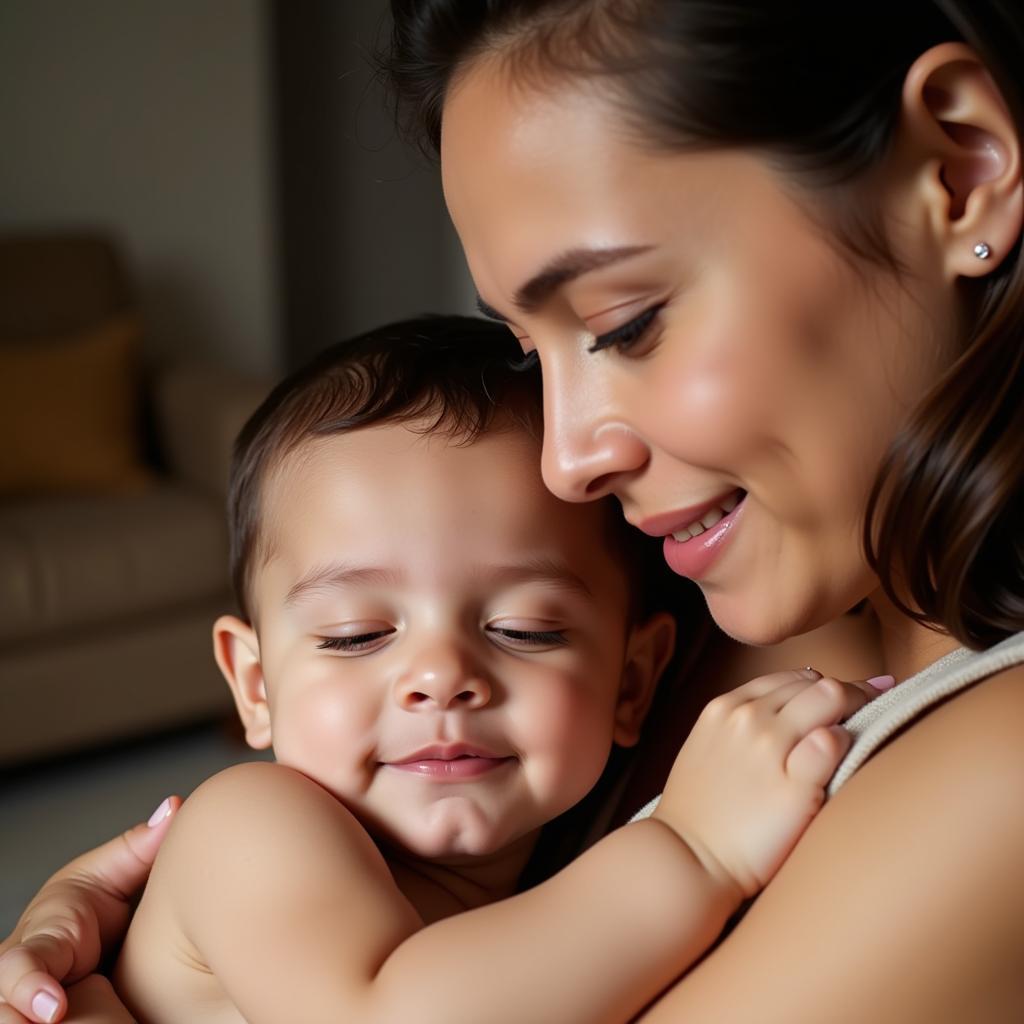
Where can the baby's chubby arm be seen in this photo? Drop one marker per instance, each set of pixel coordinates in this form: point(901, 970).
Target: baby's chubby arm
point(291, 905)
point(751, 775)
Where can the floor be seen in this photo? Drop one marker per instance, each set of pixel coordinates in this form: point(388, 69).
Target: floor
point(52, 812)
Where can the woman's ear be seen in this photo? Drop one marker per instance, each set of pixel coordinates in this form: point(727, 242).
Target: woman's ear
point(962, 140)
point(648, 651)
point(237, 651)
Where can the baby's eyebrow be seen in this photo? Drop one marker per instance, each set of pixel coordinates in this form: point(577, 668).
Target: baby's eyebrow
point(335, 575)
point(538, 570)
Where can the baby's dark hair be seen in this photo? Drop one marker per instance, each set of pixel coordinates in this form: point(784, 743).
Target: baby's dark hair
point(456, 376)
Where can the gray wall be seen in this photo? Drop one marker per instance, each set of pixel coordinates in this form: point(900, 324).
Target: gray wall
point(365, 232)
point(242, 154)
point(152, 119)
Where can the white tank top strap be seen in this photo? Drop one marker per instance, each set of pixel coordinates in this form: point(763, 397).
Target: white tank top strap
point(876, 722)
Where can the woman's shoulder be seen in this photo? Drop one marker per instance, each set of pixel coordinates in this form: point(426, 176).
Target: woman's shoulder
point(973, 740)
point(908, 881)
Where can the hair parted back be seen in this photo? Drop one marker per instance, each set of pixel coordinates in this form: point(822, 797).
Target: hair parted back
point(815, 88)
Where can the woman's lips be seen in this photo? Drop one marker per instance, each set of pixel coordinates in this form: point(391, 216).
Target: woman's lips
point(694, 557)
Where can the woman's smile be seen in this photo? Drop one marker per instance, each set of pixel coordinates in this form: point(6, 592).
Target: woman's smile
point(748, 377)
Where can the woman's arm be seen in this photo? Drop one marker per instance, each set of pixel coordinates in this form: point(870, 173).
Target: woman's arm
point(78, 914)
point(903, 901)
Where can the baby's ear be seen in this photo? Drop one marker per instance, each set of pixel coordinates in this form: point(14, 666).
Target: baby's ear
point(237, 650)
point(648, 651)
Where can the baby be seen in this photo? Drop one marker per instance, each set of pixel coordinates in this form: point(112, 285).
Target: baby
point(442, 655)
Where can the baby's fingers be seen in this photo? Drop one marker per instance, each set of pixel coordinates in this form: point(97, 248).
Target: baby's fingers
point(826, 702)
point(814, 759)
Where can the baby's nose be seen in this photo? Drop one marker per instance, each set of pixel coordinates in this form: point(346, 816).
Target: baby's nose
point(442, 679)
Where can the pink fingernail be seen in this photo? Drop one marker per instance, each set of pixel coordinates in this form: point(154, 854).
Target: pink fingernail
point(160, 813)
point(882, 683)
point(44, 1005)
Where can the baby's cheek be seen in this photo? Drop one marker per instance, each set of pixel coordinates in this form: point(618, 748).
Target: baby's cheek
point(567, 739)
point(320, 735)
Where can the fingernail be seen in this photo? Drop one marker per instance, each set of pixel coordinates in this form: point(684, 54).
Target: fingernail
point(44, 1005)
point(882, 683)
point(160, 813)
point(811, 671)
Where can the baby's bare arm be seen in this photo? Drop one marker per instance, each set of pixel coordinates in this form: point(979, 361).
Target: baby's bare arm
point(290, 904)
point(292, 907)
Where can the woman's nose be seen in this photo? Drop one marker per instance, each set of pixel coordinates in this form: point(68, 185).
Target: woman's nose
point(442, 678)
point(586, 455)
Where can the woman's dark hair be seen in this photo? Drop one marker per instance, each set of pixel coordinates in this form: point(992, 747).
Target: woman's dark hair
point(816, 88)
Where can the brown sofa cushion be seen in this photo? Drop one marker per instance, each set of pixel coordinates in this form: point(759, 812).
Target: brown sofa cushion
point(69, 412)
point(98, 562)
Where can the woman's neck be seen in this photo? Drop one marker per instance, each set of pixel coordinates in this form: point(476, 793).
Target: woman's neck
point(907, 646)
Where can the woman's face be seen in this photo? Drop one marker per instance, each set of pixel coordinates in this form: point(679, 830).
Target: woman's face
point(746, 372)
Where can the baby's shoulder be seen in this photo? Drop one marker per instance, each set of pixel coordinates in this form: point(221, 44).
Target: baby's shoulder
point(275, 786)
point(260, 821)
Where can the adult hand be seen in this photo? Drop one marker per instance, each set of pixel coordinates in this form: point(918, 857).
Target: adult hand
point(79, 912)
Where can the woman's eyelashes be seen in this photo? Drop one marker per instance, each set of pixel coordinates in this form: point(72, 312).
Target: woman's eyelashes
point(530, 361)
point(630, 333)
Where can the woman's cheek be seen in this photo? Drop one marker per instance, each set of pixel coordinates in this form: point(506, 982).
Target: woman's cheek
point(712, 405)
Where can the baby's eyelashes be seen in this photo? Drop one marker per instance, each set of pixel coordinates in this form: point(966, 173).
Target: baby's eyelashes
point(358, 643)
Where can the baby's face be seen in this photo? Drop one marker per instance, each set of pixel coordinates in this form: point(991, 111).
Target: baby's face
point(442, 641)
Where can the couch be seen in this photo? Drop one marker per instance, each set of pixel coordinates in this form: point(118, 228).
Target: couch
point(109, 583)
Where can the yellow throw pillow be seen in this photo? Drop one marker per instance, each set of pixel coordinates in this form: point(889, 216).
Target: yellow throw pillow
point(69, 412)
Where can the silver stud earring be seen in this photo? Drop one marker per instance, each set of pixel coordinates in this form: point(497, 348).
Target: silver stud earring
point(982, 251)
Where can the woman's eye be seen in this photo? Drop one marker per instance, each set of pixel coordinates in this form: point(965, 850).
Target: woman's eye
point(354, 644)
point(529, 637)
point(626, 336)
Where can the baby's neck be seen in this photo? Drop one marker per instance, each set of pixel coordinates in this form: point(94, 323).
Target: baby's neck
point(441, 888)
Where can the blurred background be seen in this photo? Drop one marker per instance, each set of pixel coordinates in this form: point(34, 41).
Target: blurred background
point(194, 197)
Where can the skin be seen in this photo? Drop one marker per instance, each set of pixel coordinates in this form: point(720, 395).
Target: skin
point(480, 596)
point(415, 591)
point(779, 365)
point(907, 824)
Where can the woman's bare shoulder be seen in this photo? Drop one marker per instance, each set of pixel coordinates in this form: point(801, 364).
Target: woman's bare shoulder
point(902, 901)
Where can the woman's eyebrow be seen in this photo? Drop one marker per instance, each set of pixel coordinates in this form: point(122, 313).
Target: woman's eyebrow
point(567, 267)
point(561, 270)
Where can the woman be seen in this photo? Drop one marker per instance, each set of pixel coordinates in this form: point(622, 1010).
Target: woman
point(767, 255)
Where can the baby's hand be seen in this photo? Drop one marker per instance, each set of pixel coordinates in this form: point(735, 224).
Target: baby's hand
point(752, 773)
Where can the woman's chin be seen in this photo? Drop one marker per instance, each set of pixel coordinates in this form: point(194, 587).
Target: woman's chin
point(762, 624)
